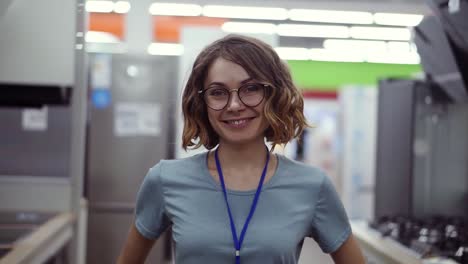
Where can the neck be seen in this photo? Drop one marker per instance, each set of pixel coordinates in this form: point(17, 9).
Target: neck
point(242, 156)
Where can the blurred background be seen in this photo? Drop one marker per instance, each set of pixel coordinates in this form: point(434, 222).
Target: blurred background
point(90, 97)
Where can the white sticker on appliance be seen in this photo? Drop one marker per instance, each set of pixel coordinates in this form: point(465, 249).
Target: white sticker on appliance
point(137, 119)
point(101, 69)
point(34, 119)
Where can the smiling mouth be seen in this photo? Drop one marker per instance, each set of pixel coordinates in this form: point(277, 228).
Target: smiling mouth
point(238, 121)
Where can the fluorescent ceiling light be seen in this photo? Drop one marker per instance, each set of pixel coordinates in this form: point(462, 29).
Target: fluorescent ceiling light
point(394, 52)
point(242, 27)
point(398, 46)
point(394, 58)
point(269, 13)
point(101, 37)
point(328, 16)
point(121, 7)
point(289, 53)
point(99, 6)
point(169, 49)
point(380, 33)
point(349, 45)
point(168, 9)
point(393, 19)
point(316, 31)
point(331, 55)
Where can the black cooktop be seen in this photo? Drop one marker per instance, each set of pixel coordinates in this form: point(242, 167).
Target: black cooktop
point(441, 236)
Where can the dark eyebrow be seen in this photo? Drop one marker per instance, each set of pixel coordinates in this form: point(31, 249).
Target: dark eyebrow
point(246, 80)
point(224, 85)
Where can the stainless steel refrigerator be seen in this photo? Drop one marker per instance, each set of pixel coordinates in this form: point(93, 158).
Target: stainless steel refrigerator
point(130, 128)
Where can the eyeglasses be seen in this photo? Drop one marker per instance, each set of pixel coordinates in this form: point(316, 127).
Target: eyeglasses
point(250, 94)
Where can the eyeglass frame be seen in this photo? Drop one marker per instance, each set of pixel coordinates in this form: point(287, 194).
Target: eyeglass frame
point(263, 85)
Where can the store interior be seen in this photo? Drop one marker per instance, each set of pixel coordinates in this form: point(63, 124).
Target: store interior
point(91, 99)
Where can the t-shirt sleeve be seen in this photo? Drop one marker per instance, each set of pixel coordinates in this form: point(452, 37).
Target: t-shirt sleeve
point(150, 217)
point(330, 226)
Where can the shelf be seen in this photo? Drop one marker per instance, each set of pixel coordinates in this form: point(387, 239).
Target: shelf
point(45, 241)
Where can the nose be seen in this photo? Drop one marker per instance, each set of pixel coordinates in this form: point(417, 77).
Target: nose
point(234, 103)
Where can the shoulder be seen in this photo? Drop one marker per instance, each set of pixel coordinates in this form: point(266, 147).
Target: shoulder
point(302, 172)
point(168, 168)
point(191, 162)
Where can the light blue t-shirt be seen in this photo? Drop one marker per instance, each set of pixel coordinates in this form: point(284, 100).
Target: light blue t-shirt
point(298, 201)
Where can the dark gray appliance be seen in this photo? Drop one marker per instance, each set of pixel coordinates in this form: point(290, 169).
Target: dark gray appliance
point(421, 189)
point(34, 70)
point(394, 147)
point(452, 14)
point(440, 60)
point(422, 135)
point(46, 152)
point(119, 153)
point(442, 42)
point(422, 151)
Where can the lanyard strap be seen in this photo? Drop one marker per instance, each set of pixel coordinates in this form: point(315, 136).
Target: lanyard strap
point(238, 242)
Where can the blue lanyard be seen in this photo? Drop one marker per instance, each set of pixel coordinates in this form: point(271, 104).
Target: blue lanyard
point(238, 242)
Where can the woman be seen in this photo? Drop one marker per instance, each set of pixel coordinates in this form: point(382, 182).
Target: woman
point(238, 202)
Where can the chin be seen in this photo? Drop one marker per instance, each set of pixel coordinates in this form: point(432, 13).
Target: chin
point(241, 139)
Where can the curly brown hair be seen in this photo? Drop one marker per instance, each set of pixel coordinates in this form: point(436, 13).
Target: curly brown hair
point(283, 106)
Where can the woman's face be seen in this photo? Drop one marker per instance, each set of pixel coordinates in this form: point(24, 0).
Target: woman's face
point(236, 123)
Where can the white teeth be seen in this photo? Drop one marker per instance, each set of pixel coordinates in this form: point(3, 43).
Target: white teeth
point(238, 122)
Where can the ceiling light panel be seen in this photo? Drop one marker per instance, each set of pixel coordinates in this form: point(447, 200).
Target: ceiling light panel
point(101, 37)
point(316, 31)
point(355, 45)
point(244, 12)
point(328, 16)
point(169, 9)
point(394, 58)
point(244, 27)
point(399, 46)
point(331, 55)
point(99, 6)
point(167, 49)
point(290, 53)
point(394, 19)
point(122, 7)
point(380, 33)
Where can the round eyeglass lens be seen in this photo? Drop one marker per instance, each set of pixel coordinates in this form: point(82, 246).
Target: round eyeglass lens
point(250, 94)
